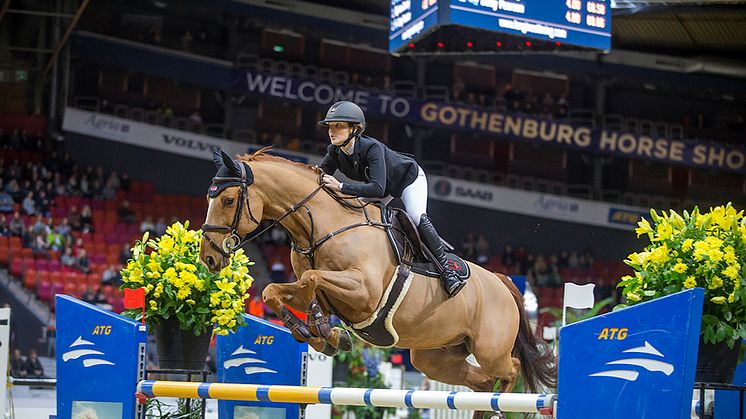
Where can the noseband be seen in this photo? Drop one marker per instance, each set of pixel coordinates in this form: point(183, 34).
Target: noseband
point(233, 240)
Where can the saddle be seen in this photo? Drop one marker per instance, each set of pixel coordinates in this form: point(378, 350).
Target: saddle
point(409, 249)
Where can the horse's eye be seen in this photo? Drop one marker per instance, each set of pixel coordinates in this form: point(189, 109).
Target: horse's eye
point(227, 202)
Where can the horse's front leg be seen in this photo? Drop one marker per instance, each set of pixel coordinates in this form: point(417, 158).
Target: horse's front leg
point(277, 296)
point(346, 286)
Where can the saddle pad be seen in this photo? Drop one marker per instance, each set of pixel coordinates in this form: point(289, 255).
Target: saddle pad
point(454, 262)
point(378, 330)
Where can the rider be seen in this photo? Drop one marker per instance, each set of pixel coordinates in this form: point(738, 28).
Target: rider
point(384, 173)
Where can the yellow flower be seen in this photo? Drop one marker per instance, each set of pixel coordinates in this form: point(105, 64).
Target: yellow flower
point(731, 297)
point(659, 255)
point(643, 227)
point(191, 302)
point(153, 305)
point(184, 293)
point(690, 282)
point(680, 268)
point(715, 283)
point(687, 245)
point(221, 332)
point(718, 300)
point(638, 258)
point(632, 296)
point(731, 272)
point(664, 231)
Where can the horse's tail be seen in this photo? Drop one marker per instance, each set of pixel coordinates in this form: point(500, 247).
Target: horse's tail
point(537, 360)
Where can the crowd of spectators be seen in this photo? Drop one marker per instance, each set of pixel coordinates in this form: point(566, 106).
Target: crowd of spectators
point(511, 99)
point(26, 366)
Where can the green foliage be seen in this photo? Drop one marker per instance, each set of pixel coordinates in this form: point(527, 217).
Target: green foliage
point(155, 409)
point(695, 250)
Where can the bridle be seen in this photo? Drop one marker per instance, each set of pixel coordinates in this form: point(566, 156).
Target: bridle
point(233, 241)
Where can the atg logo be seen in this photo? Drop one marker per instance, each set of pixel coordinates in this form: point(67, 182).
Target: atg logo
point(242, 358)
point(648, 363)
point(80, 348)
point(548, 204)
point(626, 217)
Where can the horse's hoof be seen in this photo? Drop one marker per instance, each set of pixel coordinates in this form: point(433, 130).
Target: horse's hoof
point(345, 340)
point(329, 350)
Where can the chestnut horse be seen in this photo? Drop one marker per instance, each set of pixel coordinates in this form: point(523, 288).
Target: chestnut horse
point(344, 263)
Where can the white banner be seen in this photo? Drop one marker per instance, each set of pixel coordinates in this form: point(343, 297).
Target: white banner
point(534, 204)
point(145, 135)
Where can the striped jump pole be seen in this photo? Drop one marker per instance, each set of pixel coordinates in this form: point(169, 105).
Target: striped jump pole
point(420, 399)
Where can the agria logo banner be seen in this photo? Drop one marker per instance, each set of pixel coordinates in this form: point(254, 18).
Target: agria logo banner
point(624, 354)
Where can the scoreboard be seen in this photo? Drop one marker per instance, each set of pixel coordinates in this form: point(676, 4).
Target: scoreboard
point(584, 23)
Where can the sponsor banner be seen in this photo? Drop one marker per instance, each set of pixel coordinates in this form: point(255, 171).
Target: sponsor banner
point(488, 122)
point(145, 135)
point(533, 204)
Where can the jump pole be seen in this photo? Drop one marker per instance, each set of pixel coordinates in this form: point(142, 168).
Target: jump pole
point(420, 399)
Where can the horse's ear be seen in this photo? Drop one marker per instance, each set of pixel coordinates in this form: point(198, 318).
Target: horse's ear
point(217, 157)
point(228, 161)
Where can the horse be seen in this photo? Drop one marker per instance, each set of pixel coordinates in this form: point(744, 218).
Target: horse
point(344, 264)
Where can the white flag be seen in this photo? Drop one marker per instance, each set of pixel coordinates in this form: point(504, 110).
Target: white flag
point(578, 296)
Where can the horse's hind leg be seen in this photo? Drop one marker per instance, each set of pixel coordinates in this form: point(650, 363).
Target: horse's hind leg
point(449, 365)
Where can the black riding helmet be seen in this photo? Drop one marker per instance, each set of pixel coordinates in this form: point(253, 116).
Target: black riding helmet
point(345, 111)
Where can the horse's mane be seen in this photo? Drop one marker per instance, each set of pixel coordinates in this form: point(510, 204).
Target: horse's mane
point(263, 155)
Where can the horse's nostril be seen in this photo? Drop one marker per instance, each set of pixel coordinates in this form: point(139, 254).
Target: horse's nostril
point(210, 261)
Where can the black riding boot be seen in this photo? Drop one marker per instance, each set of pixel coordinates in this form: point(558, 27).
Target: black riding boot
point(449, 279)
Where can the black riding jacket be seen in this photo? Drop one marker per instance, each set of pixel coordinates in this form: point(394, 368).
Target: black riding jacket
point(383, 171)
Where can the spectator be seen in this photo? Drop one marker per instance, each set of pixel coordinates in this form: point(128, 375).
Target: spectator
point(29, 204)
point(112, 275)
point(88, 296)
point(43, 203)
point(195, 118)
point(125, 254)
point(547, 104)
point(4, 227)
point(17, 226)
point(67, 260)
point(18, 364)
point(40, 227)
point(160, 226)
point(73, 217)
point(573, 261)
point(124, 182)
point(186, 41)
point(126, 215)
point(55, 240)
point(33, 365)
point(86, 219)
point(563, 261)
point(83, 263)
point(6, 202)
point(14, 190)
point(278, 235)
point(562, 107)
point(277, 272)
point(147, 225)
point(468, 247)
point(64, 229)
point(482, 248)
point(256, 306)
point(507, 258)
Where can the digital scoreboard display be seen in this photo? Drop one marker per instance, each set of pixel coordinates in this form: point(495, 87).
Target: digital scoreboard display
point(411, 19)
point(584, 23)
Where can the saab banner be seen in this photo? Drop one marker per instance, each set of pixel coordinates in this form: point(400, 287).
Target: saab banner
point(489, 122)
point(140, 134)
point(534, 204)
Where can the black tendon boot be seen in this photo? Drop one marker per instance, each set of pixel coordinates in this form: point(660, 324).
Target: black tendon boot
point(449, 280)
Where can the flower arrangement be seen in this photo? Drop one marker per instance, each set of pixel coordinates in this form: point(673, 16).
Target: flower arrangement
point(177, 284)
point(690, 250)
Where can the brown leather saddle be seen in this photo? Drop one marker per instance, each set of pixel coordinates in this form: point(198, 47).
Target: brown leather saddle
point(409, 249)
